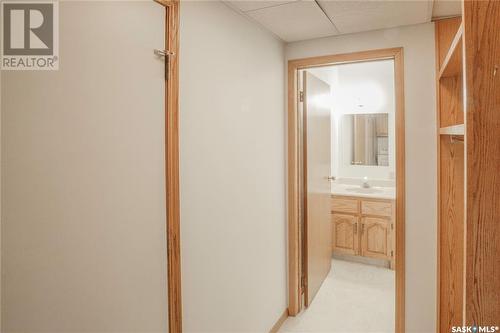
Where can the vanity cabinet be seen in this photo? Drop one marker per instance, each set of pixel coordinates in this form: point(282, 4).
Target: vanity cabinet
point(376, 238)
point(345, 233)
point(364, 227)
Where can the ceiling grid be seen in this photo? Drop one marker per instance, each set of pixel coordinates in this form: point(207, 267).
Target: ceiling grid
point(295, 20)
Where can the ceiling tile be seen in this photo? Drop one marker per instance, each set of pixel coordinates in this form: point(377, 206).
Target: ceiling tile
point(295, 21)
point(444, 8)
point(246, 6)
point(356, 16)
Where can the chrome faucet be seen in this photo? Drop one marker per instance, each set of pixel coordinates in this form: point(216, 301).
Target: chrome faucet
point(365, 183)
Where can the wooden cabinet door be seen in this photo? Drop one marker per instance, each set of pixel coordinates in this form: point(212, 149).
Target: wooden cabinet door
point(345, 234)
point(376, 237)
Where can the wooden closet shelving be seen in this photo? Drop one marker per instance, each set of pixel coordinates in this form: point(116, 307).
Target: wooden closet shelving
point(452, 130)
point(452, 63)
point(468, 145)
point(451, 163)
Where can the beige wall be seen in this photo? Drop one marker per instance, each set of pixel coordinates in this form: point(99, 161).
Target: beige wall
point(83, 233)
point(233, 233)
point(420, 104)
point(1, 201)
point(83, 202)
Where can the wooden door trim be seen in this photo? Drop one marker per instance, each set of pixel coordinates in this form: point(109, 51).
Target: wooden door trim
point(174, 297)
point(277, 325)
point(294, 301)
point(482, 183)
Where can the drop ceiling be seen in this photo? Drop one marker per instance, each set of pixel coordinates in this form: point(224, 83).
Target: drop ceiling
point(296, 20)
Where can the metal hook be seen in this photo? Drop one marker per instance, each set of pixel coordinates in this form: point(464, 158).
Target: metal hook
point(163, 53)
point(166, 55)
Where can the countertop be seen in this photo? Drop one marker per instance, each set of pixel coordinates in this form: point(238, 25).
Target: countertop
point(358, 191)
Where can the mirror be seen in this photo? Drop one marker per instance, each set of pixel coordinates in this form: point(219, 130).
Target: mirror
point(369, 138)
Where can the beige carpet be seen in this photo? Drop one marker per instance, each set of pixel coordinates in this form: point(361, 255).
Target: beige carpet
point(355, 298)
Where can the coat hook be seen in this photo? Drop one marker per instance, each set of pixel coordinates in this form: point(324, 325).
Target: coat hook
point(163, 53)
point(495, 70)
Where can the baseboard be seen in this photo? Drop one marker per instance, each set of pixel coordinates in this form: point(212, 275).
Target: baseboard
point(363, 260)
point(280, 322)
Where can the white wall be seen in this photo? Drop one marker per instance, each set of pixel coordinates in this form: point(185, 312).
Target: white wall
point(418, 43)
point(372, 85)
point(233, 233)
point(83, 186)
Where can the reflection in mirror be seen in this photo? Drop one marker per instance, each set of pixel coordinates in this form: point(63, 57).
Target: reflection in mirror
point(370, 142)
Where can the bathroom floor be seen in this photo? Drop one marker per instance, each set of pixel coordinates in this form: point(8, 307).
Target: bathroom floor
point(355, 298)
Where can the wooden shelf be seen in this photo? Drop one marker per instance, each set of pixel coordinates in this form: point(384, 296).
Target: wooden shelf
point(453, 130)
point(452, 63)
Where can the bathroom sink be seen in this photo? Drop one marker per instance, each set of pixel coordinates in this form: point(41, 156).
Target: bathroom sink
point(363, 190)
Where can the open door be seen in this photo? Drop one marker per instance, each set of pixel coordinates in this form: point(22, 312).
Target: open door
point(317, 224)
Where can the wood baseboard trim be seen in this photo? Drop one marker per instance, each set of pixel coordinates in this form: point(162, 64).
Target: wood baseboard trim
point(280, 322)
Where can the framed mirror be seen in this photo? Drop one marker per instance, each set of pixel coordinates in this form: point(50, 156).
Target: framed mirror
point(369, 138)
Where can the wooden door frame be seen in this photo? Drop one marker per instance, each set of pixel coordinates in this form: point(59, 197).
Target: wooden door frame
point(294, 273)
point(172, 165)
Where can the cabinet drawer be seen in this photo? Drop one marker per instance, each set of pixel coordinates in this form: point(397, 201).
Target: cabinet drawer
point(345, 205)
point(379, 208)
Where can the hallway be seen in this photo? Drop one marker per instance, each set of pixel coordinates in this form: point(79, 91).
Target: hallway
point(355, 298)
point(211, 166)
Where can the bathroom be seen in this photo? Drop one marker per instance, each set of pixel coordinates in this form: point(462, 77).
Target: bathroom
point(360, 99)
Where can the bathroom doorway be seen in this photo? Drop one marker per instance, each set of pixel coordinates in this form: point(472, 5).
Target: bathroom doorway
point(346, 191)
